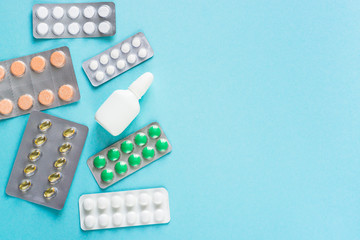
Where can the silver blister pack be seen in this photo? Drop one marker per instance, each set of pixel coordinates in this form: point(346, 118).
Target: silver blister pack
point(118, 59)
point(37, 82)
point(124, 209)
point(129, 155)
point(74, 20)
point(47, 159)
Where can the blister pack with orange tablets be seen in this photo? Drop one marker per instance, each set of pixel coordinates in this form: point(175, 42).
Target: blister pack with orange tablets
point(37, 82)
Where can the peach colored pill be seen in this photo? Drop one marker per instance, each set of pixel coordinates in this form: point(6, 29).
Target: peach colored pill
point(2, 73)
point(6, 106)
point(66, 92)
point(38, 64)
point(17, 68)
point(25, 102)
point(46, 97)
point(58, 59)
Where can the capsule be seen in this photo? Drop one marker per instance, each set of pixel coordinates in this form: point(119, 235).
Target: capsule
point(60, 162)
point(50, 192)
point(40, 140)
point(34, 155)
point(29, 170)
point(69, 133)
point(25, 185)
point(45, 125)
point(55, 177)
point(65, 147)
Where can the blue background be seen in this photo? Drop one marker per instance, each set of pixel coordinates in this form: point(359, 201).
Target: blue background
point(260, 100)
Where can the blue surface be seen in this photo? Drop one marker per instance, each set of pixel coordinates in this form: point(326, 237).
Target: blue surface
point(260, 100)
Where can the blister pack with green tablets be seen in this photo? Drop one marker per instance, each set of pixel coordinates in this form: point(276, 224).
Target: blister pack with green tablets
point(129, 155)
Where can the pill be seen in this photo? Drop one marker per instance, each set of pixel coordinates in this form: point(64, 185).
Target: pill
point(158, 198)
point(46, 97)
point(89, 28)
point(131, 218)
point(136, 42)
point(117, 219)
point(25, 185)
point(154, 131)
point(127, 146)
point(116, 202)
point(69, 133)
point(42, 29)
point(66, 92)
point(25, 102)
point(148, 153)
point(120, 167)
point(140, 139)
point(18, 68)
point(2, 73)
point(90, 221)
point(145, 216)
point(50, 192)
point(74, 28)
point(134, 160)
point(115, 53)
point(88, 204)
point(131, 58)
point(58, 29)
point(121, 64)
point(30, 170)
point(45, 125)
point(103, 220)
point(54, 177)
point(34, 155)
point(58, 12)
point(144, 199)
point(60, 162)
point(99, 76)
point(104, 27)
point(113, 154)
point(89, 12)
point(104, 11)
point(65, 148)
point(110, 70)
point(93, 65)
point(40, 140)
point(102, 203)
point(73, 12)
point(6, 107)
point(58, 59)
point(99, 162)
point(107, 175)
point(125, 48)
point(104, 59)
point(38, 64)
point(142, 53)
point(42, 13)
point(130, 200)
point(159, 215)
point(162, 145)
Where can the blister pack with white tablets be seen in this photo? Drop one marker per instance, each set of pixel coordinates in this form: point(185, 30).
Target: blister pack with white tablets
point(37, 82)
point(74, 20)
point(46, 161)
point(129, 155)
point(118, 59)
point(124, 209)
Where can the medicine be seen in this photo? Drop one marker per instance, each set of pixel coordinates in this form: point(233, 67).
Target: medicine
point(124, 209)
point(121, 108)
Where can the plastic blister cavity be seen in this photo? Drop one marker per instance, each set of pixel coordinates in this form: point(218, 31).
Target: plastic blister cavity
point(124, 209)
point(129, 155)
point(118, 59)
point(74, 20)
point(46, 161)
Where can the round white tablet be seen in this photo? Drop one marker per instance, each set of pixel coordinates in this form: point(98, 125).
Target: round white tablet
point(116, 201)
point(104, 59)
point(125, 48)
point(89, 12)
point(93, 65)
point(73, 12)
point(90, 221)
point(145, 216)
point(130, 200)
point(110, 70)
point(89, 28)
point(103, 220)
point(159, 215)
point(136, 42)
point(115, 53)
point(58, 12)
point(142, 53)
point(42, 29)
point(99, 76)
point(117, 219)
point(88, 204)
point(104, 11)
point(74, 28)
point(131, 218)
point(144, 199)
point(131, 58)
point(58, 29)
point(102, 203)
point(104, 27)
point(121, 64)
point(42, 12)
point(158, 198)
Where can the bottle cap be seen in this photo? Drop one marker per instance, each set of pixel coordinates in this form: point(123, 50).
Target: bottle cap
point(141, 85)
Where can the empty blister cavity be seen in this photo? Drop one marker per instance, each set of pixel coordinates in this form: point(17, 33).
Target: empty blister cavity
point(138, 209)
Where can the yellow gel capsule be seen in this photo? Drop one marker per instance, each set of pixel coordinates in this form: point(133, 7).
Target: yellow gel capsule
point(65, 148)
point(50, 192)
point(69, 133)
point(30, 169)
point(60, 162)
point(34, 155)
point(54, 178)
point(25, 185)
point(45, 125)
point(40, 140)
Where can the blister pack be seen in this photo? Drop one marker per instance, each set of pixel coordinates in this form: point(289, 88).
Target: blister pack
point(118, 59)
point(129, 155)
point(37, 82)
point(46, 161)
point(124, 209)
point(74, 20)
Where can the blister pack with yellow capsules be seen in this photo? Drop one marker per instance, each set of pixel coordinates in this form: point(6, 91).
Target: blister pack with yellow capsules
point(47, 159)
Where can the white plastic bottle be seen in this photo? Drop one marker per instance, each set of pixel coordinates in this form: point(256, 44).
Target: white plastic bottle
point(122, 107)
